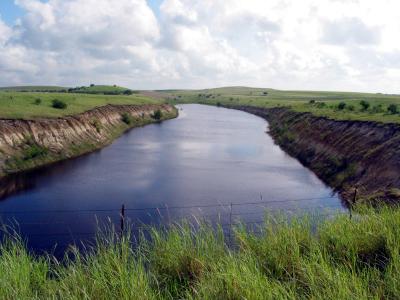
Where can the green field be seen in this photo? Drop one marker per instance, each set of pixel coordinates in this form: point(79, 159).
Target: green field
point(26, 105)
point(33, 88)
point(341, 258)
point(318, 103)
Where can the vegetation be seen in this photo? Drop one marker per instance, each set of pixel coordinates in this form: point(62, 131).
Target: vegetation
point(127, 118)
point(59, 104)
point(335, 105)
point(342, 258)
point(24, 105)
point(157, 115)
point(102, 89)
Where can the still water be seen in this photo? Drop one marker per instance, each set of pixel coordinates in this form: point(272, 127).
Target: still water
point(194, 166)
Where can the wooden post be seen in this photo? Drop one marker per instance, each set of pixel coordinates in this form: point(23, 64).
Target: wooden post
point(230, 224)
point(353, 202)
point(122, 215)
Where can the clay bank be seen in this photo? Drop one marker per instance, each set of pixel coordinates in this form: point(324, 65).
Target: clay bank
point(359, 159)
point(27, 144)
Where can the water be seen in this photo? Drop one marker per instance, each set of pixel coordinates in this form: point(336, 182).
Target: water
point(196, 165)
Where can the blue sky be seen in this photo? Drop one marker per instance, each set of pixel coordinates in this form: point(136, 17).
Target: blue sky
point(9, 11)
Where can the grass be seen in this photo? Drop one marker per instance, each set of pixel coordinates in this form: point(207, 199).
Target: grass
point(335, 105)
point(340, 258)
point(26, 105)
point(101, 89)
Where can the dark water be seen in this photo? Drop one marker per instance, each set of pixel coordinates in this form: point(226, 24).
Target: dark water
point(195, 165)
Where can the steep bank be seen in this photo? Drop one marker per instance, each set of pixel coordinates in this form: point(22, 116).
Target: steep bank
point(344, 154)
point(27, 144)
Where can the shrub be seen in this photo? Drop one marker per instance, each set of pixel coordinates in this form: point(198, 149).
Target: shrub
point(393, 109)
point(38, 101)
point(218, 104)
point(364, 105)
point(128, 92)
point(341, 105)
point(311, 102)
point(377, 108)
point(34, 151)
point(127, 118)
point(59, 104)
point(321, 104)
point(350, 107)
point(157, 115)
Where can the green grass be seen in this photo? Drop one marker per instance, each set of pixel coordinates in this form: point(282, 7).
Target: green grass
point(24, 105)
point(341, 258)
point(326, 103)
point(100, 89)
point(33, 88)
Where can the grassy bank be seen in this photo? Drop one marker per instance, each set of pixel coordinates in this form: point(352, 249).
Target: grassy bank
point(30, 105)
point(340, 259)
point(335, 105)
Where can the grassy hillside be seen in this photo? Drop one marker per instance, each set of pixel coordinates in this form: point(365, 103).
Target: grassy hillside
point(340, 259)
point(102, 89)
point(336, 105)
point(33, 88)
point(26, 105)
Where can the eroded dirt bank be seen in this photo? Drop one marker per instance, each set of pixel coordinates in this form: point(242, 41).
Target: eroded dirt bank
point(344, 154)
point(27, 144)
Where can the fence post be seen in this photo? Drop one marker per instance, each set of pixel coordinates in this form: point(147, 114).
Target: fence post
point(353, 202)
point(230, 224)
point(122, 215)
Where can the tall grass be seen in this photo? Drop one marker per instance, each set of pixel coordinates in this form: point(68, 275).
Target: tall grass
point(340, 258)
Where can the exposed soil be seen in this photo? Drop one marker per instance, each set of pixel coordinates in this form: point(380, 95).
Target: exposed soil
point(347, 155)
point(27, 144)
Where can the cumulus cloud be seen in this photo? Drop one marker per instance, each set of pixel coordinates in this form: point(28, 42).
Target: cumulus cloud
point(349, 31)
point(310, 44)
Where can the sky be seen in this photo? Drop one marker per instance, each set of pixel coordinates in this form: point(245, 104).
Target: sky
point(346, 45)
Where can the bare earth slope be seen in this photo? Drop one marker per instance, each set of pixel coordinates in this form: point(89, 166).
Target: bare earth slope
point(26, 144)
point(345, 154)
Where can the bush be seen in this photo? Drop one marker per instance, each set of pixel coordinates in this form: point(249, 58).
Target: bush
point(38, 101)
point(364, 105)
point(127, 118)
point(128, 92)
point(350, 107)
point(393, 109)
point(157, 115)
point(311, 102)
point(321, 104)
point(34, 151)
point(341, 105)
point(59, 104)
point(218, 104)
point(377, 108)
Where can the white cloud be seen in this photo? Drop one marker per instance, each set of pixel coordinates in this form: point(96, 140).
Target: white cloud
point(310, 44)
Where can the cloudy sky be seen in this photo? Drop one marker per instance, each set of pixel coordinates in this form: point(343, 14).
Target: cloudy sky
point(349, 45)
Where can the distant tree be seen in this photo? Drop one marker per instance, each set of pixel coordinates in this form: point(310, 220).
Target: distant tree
point(341, 105)
point(114, 85)
point(312, 101)
point(265, 93)
point(364, 105)
point(393, 109)
point(59, 104)
point(128, 92)
point(92, 85)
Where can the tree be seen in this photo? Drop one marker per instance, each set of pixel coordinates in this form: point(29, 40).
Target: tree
point(364, 105)
point(341, 105)
point(128, 92)
point(393, 109)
